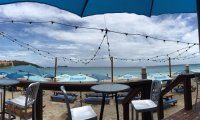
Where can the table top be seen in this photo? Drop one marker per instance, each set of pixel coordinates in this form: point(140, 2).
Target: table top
point(110, 88)
point(7, 82)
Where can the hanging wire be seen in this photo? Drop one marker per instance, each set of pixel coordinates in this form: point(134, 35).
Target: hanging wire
point(99, 29)
point(35, 50)
point(95, 54)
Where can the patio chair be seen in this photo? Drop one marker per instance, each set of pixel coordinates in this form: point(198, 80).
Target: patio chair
point(148, 105)
point(24, 102)
point(79, 113)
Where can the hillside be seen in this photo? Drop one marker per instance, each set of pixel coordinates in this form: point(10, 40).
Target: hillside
point(15, 63)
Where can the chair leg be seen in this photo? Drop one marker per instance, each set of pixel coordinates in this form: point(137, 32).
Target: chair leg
point(25, 114)
point(1, 101)
point(158, 115)
point(132, 113)
point(9, 111)
point(137, 115)
point(34, 111)
point(20, 113)
point(196, 98)
point(151, 115)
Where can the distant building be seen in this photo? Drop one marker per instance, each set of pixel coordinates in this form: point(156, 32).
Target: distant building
point(4, 63)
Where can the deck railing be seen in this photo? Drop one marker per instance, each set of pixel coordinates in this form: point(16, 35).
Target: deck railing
point(143, 85)
point(185, 79)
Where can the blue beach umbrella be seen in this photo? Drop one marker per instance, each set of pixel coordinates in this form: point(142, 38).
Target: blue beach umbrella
point(27, 68)
point(48, 76)
point(142, 7)
point(100, 77)
point(3, 73)
point(14, 76)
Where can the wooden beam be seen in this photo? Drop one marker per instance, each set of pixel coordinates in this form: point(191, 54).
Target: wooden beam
point(111, 59)
point(55, 68)
point(187, 93)
point(170, 67)
point(198, 19)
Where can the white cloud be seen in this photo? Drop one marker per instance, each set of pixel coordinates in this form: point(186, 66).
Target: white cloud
point(81, 43)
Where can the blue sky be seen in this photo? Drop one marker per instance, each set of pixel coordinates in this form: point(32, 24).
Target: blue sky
point(63, 41)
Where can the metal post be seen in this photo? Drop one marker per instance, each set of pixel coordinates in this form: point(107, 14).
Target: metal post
point(55, 72)
point(187, 68)
point(198, 19)
point(144, 73)
point(111, 59)
point(170, 67)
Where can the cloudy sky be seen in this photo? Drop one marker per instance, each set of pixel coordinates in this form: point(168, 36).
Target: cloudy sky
point(80, 44)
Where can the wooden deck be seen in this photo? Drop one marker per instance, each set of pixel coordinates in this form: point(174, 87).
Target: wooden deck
point(185, 114)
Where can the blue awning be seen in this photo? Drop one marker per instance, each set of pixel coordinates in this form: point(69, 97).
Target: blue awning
point(142, 7)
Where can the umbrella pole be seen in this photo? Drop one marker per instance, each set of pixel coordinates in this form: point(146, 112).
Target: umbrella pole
point(81, 97)
point(111, 59)
point(55, 72)
point(198, 19)
point(28, 75)
point(170, 67)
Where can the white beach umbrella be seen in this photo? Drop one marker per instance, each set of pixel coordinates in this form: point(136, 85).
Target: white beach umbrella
point(127, 77)
point(62, 76)
point(159, 76)
point(78, 78)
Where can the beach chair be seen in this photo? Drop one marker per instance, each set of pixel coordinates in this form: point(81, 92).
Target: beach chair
point(61, 98)
point(96, 100)
point(180, 88)
point(58, 96)
point(26, 101)
point(169, 100)
point(79, 113)
point(148, 105)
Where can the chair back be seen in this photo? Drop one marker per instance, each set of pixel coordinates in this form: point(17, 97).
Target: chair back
point(31, 93)
point(197, 78)
point(155, 91)
point(67, 102)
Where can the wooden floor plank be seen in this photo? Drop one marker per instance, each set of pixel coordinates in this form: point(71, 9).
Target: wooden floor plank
point(185, 115)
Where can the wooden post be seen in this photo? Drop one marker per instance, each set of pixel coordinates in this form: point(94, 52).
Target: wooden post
point(160, 109)
point(187, 93)
point(145, 94)
point(187, 70)
point(198, 19)
point(144, 73)
point(39, 106)
point(111, 59)
point(170, 67)
point(55, 72)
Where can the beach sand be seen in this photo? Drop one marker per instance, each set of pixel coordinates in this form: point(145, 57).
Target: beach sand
point(57, 110)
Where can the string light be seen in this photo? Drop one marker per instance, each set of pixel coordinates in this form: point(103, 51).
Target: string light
point(87, 61)
point(95, 54)
point(99, 29)
point(157, 58)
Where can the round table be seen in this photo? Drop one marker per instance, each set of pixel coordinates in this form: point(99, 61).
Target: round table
point(109, 88)
point(4, 83)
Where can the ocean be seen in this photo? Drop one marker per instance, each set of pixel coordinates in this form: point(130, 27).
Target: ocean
point(118, 71)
